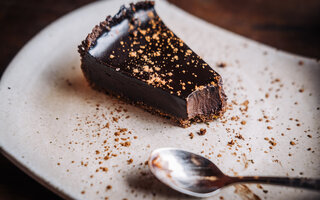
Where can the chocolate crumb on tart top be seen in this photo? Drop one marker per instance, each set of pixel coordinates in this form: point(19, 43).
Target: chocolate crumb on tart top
point(136, 57)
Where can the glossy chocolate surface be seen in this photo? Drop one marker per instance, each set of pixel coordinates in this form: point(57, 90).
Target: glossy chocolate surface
point(143, 47)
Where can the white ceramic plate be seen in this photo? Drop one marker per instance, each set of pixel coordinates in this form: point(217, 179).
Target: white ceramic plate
point(54, 126)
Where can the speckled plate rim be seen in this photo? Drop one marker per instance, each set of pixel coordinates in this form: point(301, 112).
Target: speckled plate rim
point(24, 49)
point(28, 46)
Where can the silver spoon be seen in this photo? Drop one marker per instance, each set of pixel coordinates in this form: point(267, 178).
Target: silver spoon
point(197, 176)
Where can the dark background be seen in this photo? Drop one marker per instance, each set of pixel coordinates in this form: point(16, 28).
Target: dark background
point(290, 25)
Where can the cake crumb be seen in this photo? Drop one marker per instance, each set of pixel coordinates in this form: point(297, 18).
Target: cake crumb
point(202, 131)
point(109, 187)
point(267, 95)
point(126, 144)
point(231, 143)
point(107, 125)
point(221, 65)
point(115, 119)
point(239, 136)
point(105, 169)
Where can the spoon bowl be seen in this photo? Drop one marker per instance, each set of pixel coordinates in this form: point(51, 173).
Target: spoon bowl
point(186, 172)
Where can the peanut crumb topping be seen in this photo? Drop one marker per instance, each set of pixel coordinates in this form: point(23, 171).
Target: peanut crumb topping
point(150, 52)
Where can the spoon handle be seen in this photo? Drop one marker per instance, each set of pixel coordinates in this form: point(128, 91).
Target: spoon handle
point(306, 183)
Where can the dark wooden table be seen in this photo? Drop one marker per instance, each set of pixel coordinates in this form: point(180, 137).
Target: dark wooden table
point(290, 25)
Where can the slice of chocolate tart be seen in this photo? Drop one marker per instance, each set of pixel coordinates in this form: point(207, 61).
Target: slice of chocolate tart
point(136, 57)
